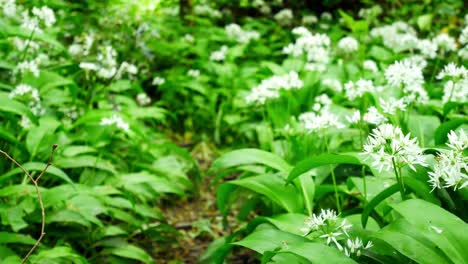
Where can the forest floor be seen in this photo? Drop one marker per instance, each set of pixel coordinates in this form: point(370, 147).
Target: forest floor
point(198, 220)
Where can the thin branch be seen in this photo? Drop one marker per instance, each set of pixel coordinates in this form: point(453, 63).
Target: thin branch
point(41, 204)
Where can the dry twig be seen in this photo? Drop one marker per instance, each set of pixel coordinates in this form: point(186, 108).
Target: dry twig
point(36, 185)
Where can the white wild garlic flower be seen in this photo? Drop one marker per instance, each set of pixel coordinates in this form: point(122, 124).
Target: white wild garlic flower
point(387, 145)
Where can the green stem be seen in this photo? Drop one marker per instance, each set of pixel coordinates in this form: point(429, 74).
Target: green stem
point(335, 186)
point(399, 179)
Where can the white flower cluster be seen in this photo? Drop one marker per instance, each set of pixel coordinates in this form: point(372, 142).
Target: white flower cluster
point(158, 80)
point(398, 36)
point(219, 55)
point(309, 20)
point(348, 45)
point(333, 84)
point(387, 145)
point(392, 105)
point(407, 74)
point(314, 46)
point(234, 31)
point(456, 88)
point(106, 65)
point(370, 65)
point(43, 14)
point(450, 169)
point(372, 116)
point(189, 38)
point(313, 122)
point(328, 226)
point(284, 17)
point(193, 73)
point(270, 88)
point(143, 99)
point(206, 10)
point(463, 40)
point(30, 95)
point(25, 44)
point(82, 45)
point(265, 6)
point(115, 120)
point(371, 12)
point(357, 89)
point(9, 7)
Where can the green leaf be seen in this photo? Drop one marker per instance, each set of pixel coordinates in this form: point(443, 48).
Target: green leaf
point(58, 252)
point(85, 161)
point(421, 189)
point(274, 188)
point(320, 160)
point(37, 166)
point(266, 238)
point(250, 156)
point(404, 238)
point(444, 229)
point(132, 252)
point(35, 136)
point(156, 183)
point(12, 238)
point(376, 201)
point(424, 21)
point(290, 223)
point(15, 107)
point(440, 135)
point(319, 253)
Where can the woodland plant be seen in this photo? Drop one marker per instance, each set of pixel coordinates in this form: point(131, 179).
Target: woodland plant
point(342, 131)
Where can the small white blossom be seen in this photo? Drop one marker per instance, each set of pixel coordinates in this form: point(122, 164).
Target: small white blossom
point(370, 65)
point(270, 88)
point(451, 70)
point(309, 20)
point(143, 99)
point(313, 122)
point(158, 80)
point(193, 73)
point(115, 120)
point(219, 55)
point(391, 105)
point(189, 38)
point(348, 44)
point(284, 16)
point(234, 31)
point(445, 42)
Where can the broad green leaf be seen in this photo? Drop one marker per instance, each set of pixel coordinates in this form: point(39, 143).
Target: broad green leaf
point(132, 252)
point(250, 156)
point(58, 252)
point(320, 160)
point(10, 238)
point(15, 107)
point(46, 127)
point(273, 187)
point(155, 182)
point(444, 229)
point(84, 161)
point(37, 166)
point(423, 127)
point(71, 151)
point(291, 223)
point(377, 200)
point(408, 241)
point(267, 238)
point(440, 135)
point(319, 253)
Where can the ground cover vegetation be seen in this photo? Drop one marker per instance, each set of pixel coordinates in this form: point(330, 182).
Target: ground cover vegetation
point(233, 131)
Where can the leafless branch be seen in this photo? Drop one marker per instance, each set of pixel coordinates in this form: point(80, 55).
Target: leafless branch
point(36, 185)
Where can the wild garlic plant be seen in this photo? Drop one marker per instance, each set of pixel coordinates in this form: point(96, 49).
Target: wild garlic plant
point(334, 231)
point(390, 149)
